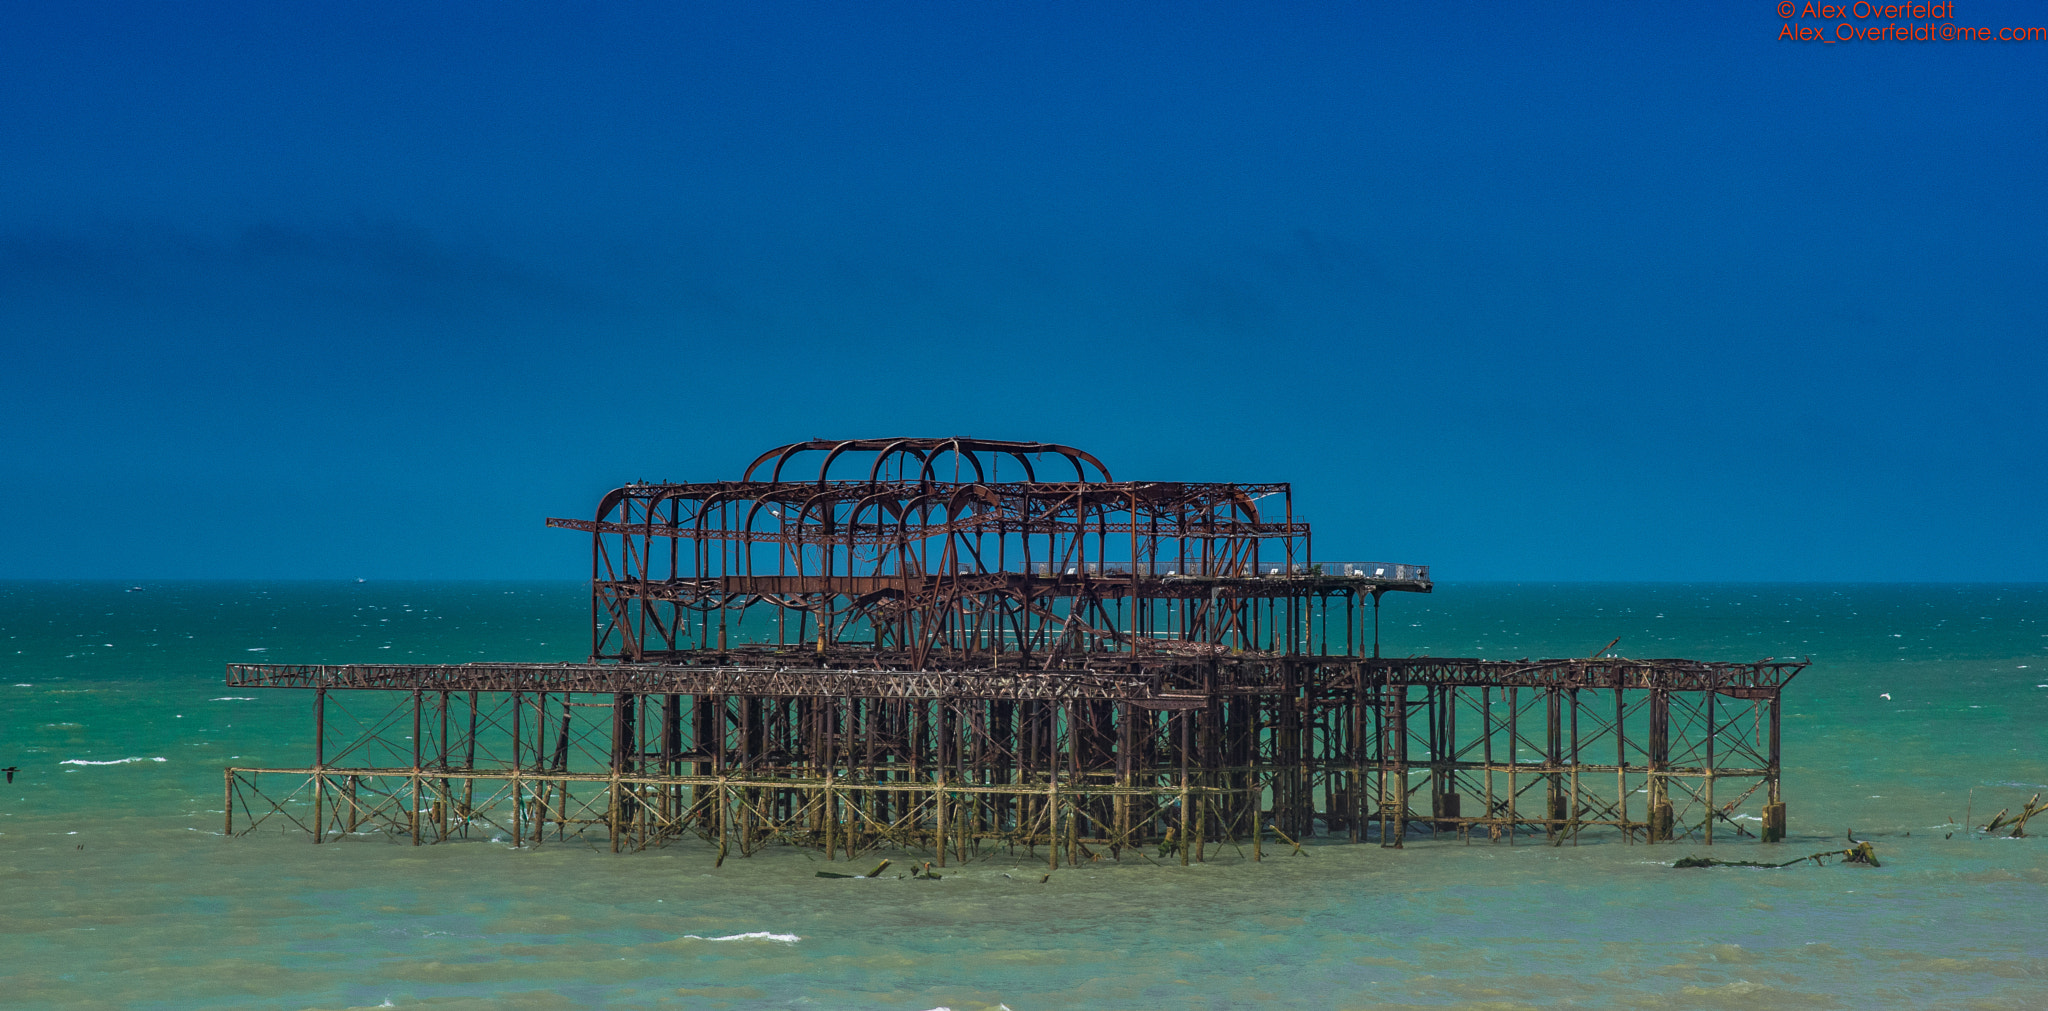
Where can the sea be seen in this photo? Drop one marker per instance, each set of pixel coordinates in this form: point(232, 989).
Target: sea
point(1925, 712)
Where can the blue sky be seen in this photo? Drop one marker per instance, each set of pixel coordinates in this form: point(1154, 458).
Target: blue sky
point(1522, 291)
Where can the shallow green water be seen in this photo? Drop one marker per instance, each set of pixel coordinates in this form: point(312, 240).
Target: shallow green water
point(116, 889)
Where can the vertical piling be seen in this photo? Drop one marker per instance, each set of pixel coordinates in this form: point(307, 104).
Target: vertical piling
point(319, 764)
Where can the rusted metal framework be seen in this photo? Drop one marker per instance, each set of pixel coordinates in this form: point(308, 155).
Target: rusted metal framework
point(911, 647)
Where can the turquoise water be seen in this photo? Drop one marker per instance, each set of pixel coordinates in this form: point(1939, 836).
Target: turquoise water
point(116, 889)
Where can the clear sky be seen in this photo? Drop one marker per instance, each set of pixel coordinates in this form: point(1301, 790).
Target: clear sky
point(1526, 291)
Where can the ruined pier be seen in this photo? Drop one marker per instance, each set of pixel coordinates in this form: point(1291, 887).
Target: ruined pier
point(926, 644)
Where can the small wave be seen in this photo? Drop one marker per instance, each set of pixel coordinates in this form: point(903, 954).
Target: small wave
point(234, 698)
point(755, 935)
point(116, 761)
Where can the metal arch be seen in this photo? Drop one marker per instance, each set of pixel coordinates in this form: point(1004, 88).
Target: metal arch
point(610, 501)
point(881, 458)
point(953, 446)
point(781, 455)
point(1081, 459)
point(1013, 555)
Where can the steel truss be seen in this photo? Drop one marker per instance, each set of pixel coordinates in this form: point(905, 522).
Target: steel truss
point(926, 656)
point(1178, 755)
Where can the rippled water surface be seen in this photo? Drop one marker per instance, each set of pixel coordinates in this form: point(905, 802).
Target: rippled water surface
point(116, 889)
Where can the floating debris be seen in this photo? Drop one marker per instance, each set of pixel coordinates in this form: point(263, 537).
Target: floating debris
point(876, 873)
point(1859, 853)
point(2032, 807)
